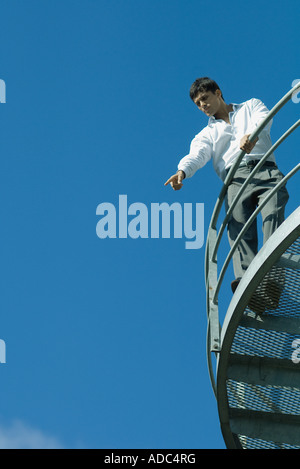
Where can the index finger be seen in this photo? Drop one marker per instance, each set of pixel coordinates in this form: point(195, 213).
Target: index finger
point(168, 181)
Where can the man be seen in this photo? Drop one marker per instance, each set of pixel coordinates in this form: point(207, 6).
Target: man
point(228, 131)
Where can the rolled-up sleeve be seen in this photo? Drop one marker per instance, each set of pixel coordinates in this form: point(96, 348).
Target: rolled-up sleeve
point(200, 153)
point(258, 113)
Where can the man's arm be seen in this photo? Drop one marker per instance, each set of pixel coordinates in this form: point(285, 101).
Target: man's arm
point(258, 113)
point(200, 154)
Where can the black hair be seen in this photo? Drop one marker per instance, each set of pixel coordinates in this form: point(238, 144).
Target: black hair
point(203, 84)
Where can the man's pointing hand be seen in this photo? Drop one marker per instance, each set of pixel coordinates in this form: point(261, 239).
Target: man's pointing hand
point(175, 181)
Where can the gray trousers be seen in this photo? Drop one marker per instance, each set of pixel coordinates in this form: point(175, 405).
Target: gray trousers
point(272, 213)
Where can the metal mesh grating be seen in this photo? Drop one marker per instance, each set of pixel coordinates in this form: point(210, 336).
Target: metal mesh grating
point(263, 343)
point(277, 399)
point(278, 298)
point(257, 443)
point(278, 295)
point(294, 248)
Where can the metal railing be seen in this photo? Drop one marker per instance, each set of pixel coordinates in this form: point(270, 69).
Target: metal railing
point(214, 236)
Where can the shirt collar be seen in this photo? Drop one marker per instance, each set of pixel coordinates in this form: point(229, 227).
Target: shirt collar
point(235, 106)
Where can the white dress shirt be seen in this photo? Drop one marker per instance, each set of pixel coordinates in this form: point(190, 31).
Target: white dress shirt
point(220, 141)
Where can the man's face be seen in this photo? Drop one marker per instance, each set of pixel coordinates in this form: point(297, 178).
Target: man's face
point(208, 102)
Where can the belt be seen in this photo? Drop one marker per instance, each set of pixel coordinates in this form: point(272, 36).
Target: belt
point(252, 163)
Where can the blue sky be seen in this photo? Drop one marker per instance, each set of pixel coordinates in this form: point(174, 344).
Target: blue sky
point(105, 338)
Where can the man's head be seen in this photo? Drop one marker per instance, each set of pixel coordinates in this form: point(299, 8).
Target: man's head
point(207, 95)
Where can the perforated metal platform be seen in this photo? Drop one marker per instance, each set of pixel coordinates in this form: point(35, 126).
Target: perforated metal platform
point(258, 377)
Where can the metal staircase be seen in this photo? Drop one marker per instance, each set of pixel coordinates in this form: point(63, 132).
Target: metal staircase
point(254, 356)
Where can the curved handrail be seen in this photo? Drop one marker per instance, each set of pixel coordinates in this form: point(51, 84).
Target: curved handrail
point(249, 222)
point(250, 177)
point(209, 364)
point(213, 239)
point(233, 168)
point(252, 137)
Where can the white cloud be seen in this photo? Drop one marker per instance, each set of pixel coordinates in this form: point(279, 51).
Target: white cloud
point(21, 436)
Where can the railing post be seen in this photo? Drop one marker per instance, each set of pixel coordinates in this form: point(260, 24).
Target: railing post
point(213, 318)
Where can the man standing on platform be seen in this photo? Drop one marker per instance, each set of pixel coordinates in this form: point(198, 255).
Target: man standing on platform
point(226, 134)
